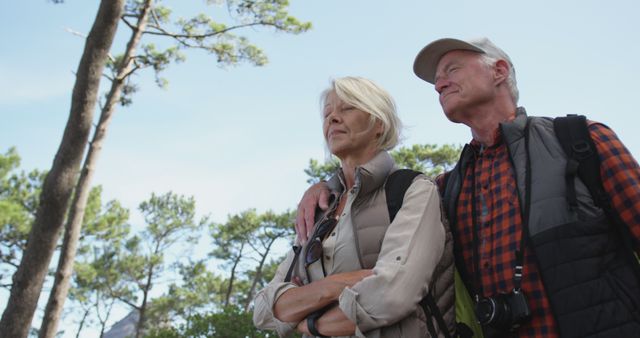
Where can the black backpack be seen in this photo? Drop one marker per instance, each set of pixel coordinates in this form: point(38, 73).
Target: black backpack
point(583, 160)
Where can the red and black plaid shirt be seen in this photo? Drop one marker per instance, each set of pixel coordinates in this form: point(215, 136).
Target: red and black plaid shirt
point(500, 220)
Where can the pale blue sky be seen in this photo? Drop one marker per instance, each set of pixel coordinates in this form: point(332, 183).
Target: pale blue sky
point(240, 137)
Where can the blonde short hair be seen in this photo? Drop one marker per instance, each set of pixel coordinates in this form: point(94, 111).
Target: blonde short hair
point(367, 96)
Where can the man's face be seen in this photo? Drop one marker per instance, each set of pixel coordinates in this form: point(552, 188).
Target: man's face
point(465, 82)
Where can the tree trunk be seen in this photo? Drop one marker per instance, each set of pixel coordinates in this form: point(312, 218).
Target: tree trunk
point(258, 275)
point(142, 311)
point(84, 318)
point(60, 289)
point(232, 277)
point(103, 322)
point(59, 184)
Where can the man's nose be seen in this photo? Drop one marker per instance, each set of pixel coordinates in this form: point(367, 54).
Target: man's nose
point(441, 83)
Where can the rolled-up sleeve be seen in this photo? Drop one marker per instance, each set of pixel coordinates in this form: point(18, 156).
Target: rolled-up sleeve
point(411, 250)
point(263, 317)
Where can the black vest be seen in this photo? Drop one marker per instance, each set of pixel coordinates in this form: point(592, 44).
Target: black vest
point(587, 274)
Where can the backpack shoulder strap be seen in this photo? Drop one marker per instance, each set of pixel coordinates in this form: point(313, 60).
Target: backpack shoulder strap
point(431, 309)
point(395, 188)
point(453, 182)
point(582, 159)
point(573, 134)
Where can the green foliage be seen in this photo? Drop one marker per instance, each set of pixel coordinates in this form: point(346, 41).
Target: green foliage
point(22, 189)
point(230, 322)
point(115, 264)
point(8, 162)
point(159, 60)
point(140, 263)
point(203, 32)
point(101, 242)
point(169, 218)
point(200, 291)
point(321, 172)
point(113, 66)
point(95, 269)
point(102, 223)
point(166, 37)
point(243, 244)
point(267, 272)
point(231, 237)
point(19, 197)
point(430, 159)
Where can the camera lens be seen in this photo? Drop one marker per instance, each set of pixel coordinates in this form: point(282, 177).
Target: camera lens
point(486, 311)
point(494, 312)
point(504, 312)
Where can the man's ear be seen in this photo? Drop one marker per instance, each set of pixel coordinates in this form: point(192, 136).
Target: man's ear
point(501, 71)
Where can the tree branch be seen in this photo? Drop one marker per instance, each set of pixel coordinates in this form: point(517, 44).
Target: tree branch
point(252, 246)
point(154, 16)
point(127, 302)
point(163, 32)
point(120, 298)
point(131, 71)
point(84, 36)
point(108, 78)
point(129, 24)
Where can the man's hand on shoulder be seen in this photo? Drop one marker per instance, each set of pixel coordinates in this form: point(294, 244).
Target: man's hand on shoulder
point(316, 196)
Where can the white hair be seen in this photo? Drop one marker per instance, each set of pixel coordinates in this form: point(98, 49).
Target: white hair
point(370, 98)
point(512, 84)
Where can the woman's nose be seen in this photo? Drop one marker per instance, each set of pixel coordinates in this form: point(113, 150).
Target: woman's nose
point(332, 117)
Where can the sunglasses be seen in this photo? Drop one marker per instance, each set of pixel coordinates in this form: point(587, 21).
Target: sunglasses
point(314, 249)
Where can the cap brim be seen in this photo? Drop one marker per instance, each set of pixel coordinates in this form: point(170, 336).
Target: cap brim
point(427, 60)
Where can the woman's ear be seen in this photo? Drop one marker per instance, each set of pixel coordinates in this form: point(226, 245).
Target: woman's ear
point(379, 128)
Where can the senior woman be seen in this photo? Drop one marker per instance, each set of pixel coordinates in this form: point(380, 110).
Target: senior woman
point(326, 287)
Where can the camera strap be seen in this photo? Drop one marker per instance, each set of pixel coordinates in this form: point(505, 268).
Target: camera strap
point(524, 233)
point(519, 254)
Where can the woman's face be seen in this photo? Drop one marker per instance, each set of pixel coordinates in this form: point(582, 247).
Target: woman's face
point(347, 130)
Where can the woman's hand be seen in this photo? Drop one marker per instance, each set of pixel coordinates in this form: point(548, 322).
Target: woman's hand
point(303, 328)
point(316, 196)
point(331, 323)
point(297, 303)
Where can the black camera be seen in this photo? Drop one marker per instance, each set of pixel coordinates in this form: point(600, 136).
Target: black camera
point(505, 312)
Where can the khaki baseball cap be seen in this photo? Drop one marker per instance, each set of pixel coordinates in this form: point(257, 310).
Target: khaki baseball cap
point(427, 60)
